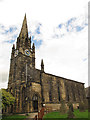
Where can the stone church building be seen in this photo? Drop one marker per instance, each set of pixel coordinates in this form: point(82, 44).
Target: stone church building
point(34, 88)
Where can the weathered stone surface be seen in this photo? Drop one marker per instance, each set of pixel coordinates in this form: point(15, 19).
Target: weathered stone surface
point(32, 87)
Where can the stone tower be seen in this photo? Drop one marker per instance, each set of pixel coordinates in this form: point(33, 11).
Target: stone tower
point(22, 59)
point(22, 55)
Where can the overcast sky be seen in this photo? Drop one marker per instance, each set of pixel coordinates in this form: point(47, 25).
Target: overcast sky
point(59, 29)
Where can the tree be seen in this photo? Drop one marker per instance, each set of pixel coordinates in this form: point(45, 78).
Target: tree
point(7, 98)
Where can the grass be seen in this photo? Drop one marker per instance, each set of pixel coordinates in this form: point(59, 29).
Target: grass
point(55, 115)
point(81, 114)
point(77, 114)
point(14, 117)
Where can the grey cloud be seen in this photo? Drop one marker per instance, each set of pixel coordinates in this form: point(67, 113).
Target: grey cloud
point(3, 77)
point(1, 0)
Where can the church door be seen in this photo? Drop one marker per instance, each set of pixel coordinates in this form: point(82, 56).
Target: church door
point(35, 103)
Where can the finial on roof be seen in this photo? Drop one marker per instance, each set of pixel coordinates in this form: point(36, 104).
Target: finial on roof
point(13, 46)
point(42, 65)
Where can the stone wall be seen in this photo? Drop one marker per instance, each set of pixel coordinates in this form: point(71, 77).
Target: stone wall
point(56, 107)
point(70, 91)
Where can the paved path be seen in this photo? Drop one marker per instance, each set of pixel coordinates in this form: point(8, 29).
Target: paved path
point(32, 115)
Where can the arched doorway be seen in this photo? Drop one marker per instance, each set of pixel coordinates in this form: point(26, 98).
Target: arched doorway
point(35, 103)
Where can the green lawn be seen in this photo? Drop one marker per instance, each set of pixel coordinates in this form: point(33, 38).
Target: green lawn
point(14, 117)
point(55, 115)
point(59, 115)
point(81, 114)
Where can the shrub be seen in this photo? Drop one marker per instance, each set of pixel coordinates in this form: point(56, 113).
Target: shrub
point(6, 98)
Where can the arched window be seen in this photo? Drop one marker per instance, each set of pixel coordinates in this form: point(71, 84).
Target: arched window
point(35, 102)
point(14, 72)
point(73, 92)
point(58, 87)
point(23, 98)
point(50, 90)
point(83, 92)
point(35, 97)
point(22, 72)
point(26, 42)
point(67, 92)
point(78, 92)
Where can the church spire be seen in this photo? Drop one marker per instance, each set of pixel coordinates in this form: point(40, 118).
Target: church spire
point(24, 29)
point(23, 41)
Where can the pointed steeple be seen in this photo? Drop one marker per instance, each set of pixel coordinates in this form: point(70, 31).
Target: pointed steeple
point(24, 29)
